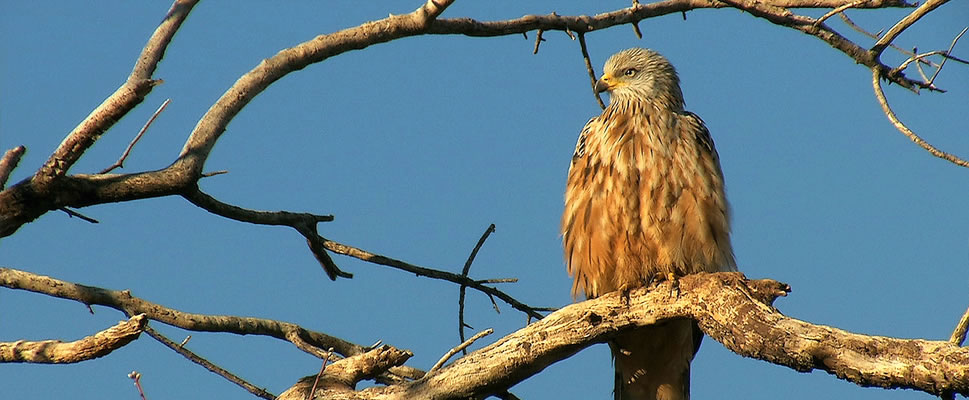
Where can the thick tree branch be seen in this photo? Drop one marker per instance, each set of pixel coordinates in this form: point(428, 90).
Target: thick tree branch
point(728, 307)
point(339, 379)
point(91, 347)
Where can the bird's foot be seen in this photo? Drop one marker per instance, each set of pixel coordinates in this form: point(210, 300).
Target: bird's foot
point(674, 285)
point(660, 277)
point(624, 294)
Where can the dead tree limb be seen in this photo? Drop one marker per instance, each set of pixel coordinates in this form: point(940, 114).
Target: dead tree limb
point(729, 308)
point(91, 347)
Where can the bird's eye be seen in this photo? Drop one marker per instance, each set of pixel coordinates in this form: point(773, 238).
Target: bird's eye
point(630, 72)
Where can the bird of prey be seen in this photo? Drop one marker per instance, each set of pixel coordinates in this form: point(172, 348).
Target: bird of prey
point(645, 198)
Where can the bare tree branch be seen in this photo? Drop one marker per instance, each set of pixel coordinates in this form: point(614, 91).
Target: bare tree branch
point(195, 358)
point(339, 378)
point(91, 347)
point(129, 95)
point(461, 347)
point(309, 341)
point(304, 223)
point(127, 150)
point(730, 309)
point(880, 95)
point(903, 24)
point(464, 272)
point(125, 302)
point(28, 200)
point(9, 162)
point(588, 67)
point(364, 255)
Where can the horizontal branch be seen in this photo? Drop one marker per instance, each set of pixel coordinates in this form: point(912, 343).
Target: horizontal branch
point(775, 11)
point(304, 223)
point(636, 13)
point(367, 256)
point(304, 339)
point(729, 308)
point(91, 347)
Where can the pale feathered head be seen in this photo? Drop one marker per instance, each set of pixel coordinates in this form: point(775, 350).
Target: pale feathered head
point(641, 75)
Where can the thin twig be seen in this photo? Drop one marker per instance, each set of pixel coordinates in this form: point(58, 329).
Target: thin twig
point(460, 347)
point(951, 46)
point(9, 161)
point(498, 280)
point(209, 365)
point(214, 173)
point(635, 24)
point(837, 10)
point(309, 396)
point(72, 213)
point(136, 376)
point(919, 58)
point(364, 255)
point(506, 395)
point(120, 162)
point(880, 95)
point(588, 67)
point(903, 24)
point(464, 272)
point(538, 40)
point(851, 24)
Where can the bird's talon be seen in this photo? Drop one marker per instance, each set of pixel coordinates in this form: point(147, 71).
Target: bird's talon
point(674, 285)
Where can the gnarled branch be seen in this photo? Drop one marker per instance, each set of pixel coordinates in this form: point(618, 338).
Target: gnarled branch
point(91, 347)
point(729, 308)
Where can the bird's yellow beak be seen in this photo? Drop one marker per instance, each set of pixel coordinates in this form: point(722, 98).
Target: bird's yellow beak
point(606, 83)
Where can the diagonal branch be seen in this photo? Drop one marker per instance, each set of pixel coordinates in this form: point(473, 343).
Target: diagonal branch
point(903, 24)
point(9, 161)
point(464, 272)
point(116, 106)
point(91, 347)
point(880, 95)
point(195, 358)
point(127, 150)
point(213, 124)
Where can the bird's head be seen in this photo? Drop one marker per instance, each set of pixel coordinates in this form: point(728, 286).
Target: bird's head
point(640, 75)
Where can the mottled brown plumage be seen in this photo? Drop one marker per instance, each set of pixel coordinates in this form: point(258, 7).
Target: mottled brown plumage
point(645, 197)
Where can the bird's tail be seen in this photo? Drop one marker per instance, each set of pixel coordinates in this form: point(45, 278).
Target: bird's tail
point(653, 363)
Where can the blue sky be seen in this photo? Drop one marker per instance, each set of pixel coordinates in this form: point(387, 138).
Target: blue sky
point(417, 145)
